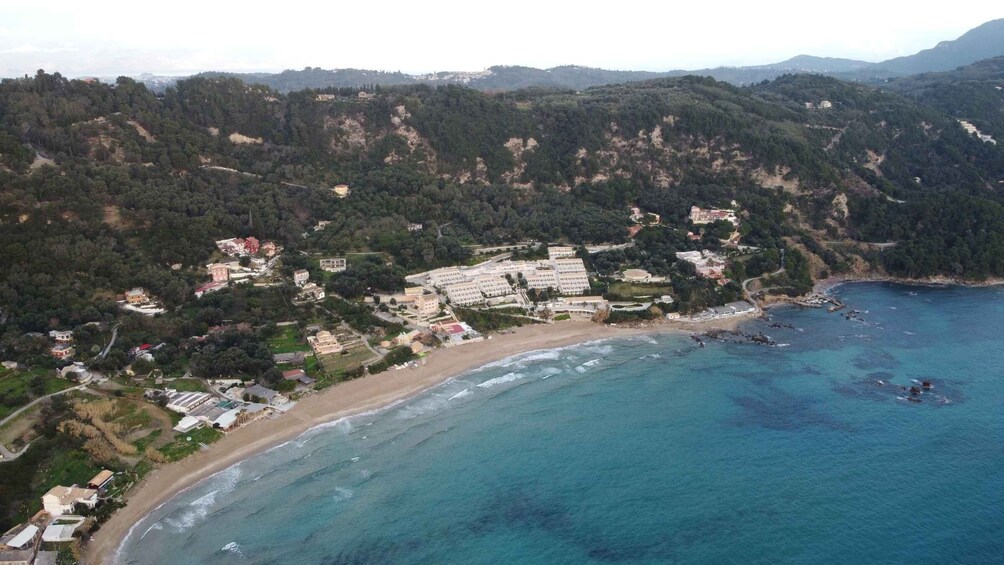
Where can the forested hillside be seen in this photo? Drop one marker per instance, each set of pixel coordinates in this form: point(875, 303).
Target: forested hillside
point(971, 93)
point(104, 187)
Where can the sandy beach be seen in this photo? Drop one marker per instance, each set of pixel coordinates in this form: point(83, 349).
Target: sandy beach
point(347, 399)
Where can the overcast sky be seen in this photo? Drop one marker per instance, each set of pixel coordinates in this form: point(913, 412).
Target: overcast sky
point(109, 38)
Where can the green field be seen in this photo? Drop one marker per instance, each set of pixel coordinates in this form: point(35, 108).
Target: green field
point(69, 467)
point(287, 340)
point(332, 368)
point(311, 365)
point(186, 385)
point(181, 447)
point(345, 360)
point(16, 388)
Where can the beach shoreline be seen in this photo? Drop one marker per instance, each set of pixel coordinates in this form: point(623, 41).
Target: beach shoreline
point(353, 398)
point(824, 286)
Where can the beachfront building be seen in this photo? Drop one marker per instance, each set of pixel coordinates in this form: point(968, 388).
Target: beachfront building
point(185, 402)
point(298, 376)
point(541, 279)
point(267, 395)
point(187, 424)
point(333, 264)
point(456, 333)
point(416, 299)
point(62, 500)
point(324, 343)
point(493, 285)
point(19, 545)
point(464, 293)
point(98, 481)
point(60, 531)
point(740, 308)
point(472, 285)
point(217, 414)
point(587, 305)
point(573, 283)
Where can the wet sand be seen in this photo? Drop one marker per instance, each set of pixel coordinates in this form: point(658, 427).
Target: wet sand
point(346, 399)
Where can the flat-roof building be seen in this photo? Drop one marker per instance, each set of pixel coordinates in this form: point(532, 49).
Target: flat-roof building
point(19, 545)
point(464, 294)
point(324, 343)
point(446, 276)
point(101, 479)
point(560, 252)
point(185, 402)
point(573, 282)
point(333, 264)
point(493, 285)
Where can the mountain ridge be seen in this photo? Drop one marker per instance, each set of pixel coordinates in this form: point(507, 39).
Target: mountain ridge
point(982, 42)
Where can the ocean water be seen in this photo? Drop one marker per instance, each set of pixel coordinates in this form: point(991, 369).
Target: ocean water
point(649, 450)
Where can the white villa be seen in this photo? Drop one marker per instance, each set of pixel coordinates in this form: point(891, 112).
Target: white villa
point(61, 500)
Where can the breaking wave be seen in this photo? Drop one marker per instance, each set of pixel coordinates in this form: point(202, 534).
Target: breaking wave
point(506, 378)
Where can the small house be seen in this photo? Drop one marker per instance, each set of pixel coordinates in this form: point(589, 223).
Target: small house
point(62, 351)
point(136, 296)
point(269, 396)
point(333, 264)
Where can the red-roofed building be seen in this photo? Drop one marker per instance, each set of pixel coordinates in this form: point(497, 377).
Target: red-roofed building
point(209, 287)
point(251, 245)
point(633, 230)
point(293, 374)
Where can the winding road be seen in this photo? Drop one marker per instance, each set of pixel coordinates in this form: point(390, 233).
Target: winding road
point(745, 284)
point(10, 455)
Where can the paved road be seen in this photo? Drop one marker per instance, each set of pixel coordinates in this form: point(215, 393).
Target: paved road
point(115, 335)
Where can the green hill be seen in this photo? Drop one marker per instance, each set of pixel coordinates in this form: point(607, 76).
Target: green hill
point(141, 185)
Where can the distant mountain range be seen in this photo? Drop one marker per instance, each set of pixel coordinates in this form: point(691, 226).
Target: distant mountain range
point(983, 42)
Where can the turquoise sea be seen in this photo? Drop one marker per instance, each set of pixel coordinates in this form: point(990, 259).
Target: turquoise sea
point(650, 450)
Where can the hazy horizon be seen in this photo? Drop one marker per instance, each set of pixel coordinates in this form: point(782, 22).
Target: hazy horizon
point(117, 38)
